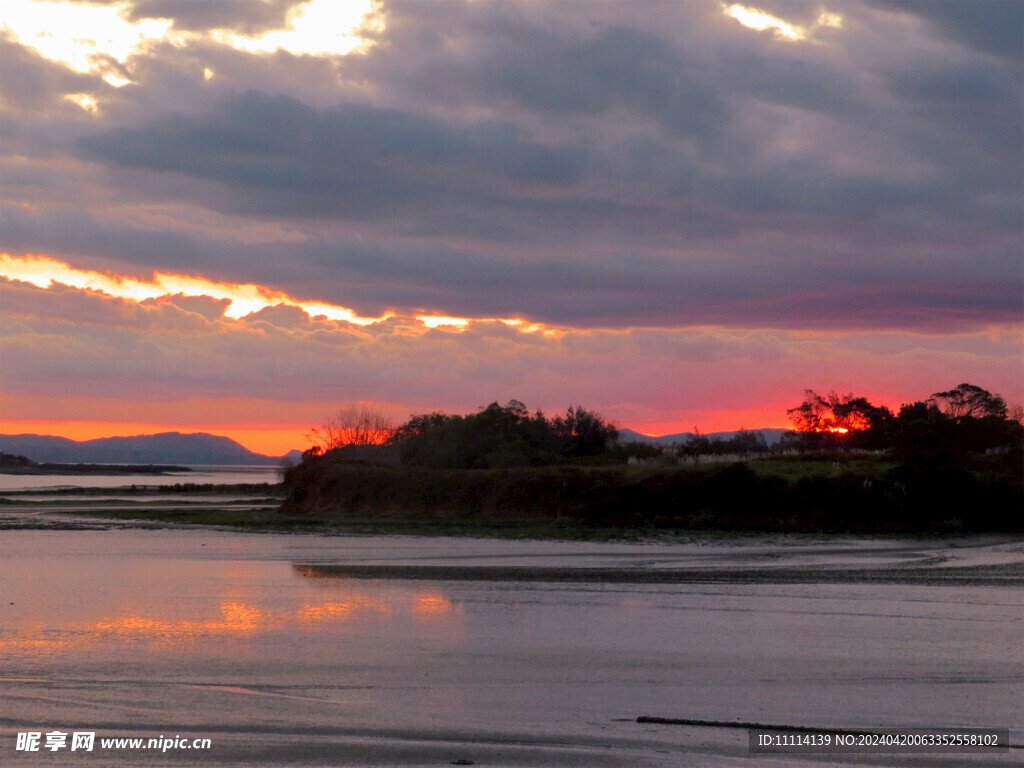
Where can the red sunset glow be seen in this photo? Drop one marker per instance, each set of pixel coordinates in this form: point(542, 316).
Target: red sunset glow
point(276, 427)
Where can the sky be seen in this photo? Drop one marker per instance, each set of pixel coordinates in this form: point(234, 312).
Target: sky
point(237, 216)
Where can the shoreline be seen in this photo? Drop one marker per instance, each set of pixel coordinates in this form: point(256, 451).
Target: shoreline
point(265, 519)
point(1009, 575)
point(256, 515)
point(674, 558)
point(85, 470)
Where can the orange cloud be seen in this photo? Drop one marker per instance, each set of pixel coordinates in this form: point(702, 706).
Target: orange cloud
point(240, 300)
point(244, 298)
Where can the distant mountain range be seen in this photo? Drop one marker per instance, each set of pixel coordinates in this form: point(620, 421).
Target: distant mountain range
point(201, 448)
point(165, 448)
point(771, 436)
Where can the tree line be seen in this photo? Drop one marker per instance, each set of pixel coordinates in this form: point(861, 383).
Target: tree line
point(496, 436)
point(947, 425)
point(949, 462)
point(965, 419)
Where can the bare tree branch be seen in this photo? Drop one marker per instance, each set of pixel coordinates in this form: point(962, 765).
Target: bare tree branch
point(353, 424)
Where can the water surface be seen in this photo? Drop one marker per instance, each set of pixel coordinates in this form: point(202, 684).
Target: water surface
point(248, 640)
point(216, 475)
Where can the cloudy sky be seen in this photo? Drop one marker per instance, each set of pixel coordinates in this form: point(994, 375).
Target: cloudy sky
point(235, 215)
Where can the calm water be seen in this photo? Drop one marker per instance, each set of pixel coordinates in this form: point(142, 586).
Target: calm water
point(215, 475)
point(238, 638)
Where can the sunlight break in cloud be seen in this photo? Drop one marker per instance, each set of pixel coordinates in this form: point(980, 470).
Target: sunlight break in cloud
point(99, 39)
point(245, 299)
point(86, 38)
point(828, 19)
point(758, 19)
point(433, 321)
point(84, 100)
point(755, 18)
point(318, 28)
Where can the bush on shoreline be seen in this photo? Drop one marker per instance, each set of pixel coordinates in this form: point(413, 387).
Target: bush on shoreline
point(712, 497)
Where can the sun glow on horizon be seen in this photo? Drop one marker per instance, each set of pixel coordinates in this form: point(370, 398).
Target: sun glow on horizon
point(710, 421)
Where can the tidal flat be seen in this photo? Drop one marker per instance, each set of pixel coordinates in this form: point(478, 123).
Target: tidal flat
point(297, 650)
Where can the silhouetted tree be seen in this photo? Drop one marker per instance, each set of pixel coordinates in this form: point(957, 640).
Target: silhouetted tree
point(747, 442)
point(419, 424)
point(502, 436)
point(919, 411)
point(949, 426)
point(854, 418)
point(1015, 412)
point(968, 401)
point(354, 424)
point(586, 432)
point(696, 445)
point(814, 414)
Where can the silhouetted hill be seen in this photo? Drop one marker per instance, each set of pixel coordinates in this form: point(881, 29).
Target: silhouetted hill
point(163, 448)
point(771, 435)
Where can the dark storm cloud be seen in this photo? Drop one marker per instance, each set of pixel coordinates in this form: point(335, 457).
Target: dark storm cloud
point(250, 17)
point(989, 26)
point(616, 68)
point(978, 104)
point(818, 288)
point(243, 16)
point(281, 157)
point(77, 233)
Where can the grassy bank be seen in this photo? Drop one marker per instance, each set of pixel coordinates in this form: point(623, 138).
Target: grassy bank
point(809, 493)
point(865, 493)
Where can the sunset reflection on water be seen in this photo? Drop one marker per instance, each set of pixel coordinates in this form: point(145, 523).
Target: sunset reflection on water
point(431, 605)
point(237, 619)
